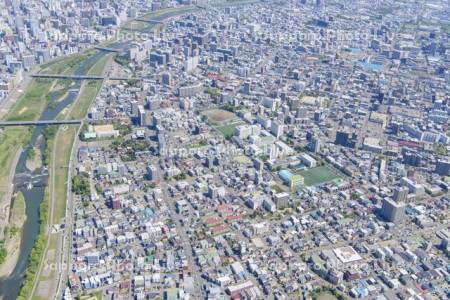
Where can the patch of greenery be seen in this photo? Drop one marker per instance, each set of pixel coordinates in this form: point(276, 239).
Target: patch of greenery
point(180, 176)
point(229, 107)
point(228, 130)
point(31, 152)
point(32, 102)
point(128, 148)
point(132, 144)
point(324, 290)
point(263, 157)
point(80, 184)
point(11, 140)
point(124, 129)
point(440, 149)
point(317, 175)
point(3, 252)
point(276, 188)
point(132, 82)
point(49, 134)
point(213, 92)
point(122, 60)
point(200, 143)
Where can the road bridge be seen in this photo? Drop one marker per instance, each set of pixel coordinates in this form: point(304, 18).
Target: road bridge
point(81, 77)
point(38, 123)
point(150, 21)
point(106, 49)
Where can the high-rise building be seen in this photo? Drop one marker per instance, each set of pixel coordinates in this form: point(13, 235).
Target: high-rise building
point(277, 129)
point(212, 191)
point(346, 139)
point(246, 89)
point(443, 168)
point(166, 78)
point(411, 157)
point(301, 112)
point(142, 118)
point(152, 172)
point(294, 103)
point(158, 58)
point(318, 116)
point(258, 164)
point(209, 161)
point(191, 64)
point(393, 211)
point(400, 194)
point(281, 200)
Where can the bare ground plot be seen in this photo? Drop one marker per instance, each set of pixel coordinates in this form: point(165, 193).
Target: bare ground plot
point(326, 296)
point(43, 289)
point(219, 115)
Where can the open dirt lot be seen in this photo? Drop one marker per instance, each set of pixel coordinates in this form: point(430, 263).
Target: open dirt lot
point(218, 115)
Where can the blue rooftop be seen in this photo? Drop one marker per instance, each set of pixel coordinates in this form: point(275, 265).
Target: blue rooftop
point(285, 175)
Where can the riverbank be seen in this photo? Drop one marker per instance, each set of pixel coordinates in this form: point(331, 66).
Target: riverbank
point(13, 236)
point(34, 159)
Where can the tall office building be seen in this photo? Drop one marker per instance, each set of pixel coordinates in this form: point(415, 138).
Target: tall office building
point(400, 194)
point(152, 172)
point(167, 78)
point(143, 116)
point(191, 64)
point(346, 138)
point(318, 116)
point(393, 211)
point(247, 88)
point(411, 157)
point(314, 145)
point(443, 168)
point(277, 129)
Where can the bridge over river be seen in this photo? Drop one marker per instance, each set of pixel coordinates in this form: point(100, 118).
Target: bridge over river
point(38, 122)
point(81, 77)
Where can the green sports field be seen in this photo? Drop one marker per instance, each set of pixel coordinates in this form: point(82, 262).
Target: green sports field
point(228, 130)
point(318, 175)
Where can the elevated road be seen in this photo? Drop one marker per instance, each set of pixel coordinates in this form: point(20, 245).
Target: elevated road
point(150, 21)
point(106, 49)
point(38, 123)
